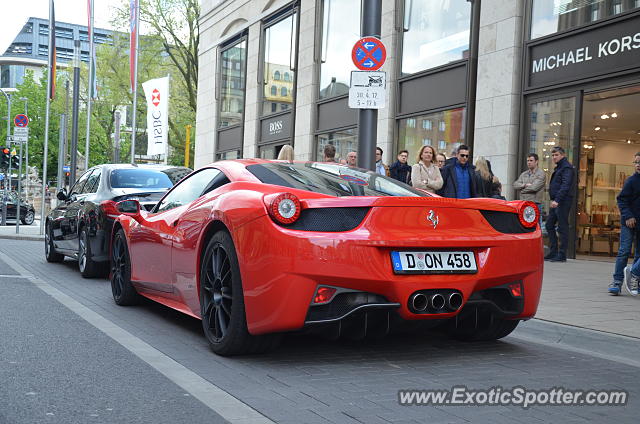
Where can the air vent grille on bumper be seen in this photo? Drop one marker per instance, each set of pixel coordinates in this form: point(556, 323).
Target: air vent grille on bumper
point(505, 222)
point(329, 219)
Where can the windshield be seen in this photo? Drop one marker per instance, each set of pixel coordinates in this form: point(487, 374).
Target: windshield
point(332, 179)
point(143, 178)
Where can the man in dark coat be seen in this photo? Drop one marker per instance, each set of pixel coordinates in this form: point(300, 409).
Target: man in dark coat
point(561, 195)
point(629, 205)
point(458, 176)
point(401, 170)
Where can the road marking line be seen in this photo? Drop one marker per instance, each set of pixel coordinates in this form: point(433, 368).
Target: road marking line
point(15, 276)
point(221, 402)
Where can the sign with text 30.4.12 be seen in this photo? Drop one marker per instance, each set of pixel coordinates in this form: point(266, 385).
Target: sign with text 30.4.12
point(368, 90)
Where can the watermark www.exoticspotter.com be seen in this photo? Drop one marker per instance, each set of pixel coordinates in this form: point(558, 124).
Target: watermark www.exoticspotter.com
point(518, 396)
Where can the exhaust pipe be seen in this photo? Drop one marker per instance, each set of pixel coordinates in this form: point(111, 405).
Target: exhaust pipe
point(437, 301)
point(455, 301)
point(419, 302)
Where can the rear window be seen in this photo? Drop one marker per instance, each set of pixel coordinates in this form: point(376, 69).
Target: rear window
point(144, 178)
point(334, 180)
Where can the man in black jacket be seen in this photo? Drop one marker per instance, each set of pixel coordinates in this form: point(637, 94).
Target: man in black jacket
point(401, 170)
point(458, 176)
point(561, 195)
point(629, 205)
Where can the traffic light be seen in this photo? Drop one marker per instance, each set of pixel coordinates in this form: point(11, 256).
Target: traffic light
point(4, 157)
point(15, 161)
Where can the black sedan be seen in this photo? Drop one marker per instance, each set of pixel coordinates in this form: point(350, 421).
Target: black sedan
point(80, 226)
point(27, 213)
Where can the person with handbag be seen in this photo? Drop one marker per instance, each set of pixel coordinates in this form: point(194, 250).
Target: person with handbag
point(425, 174)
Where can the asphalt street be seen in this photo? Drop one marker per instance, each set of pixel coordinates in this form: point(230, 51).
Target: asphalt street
point(68, 354)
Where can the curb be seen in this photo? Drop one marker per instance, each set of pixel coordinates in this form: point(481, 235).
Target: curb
point(22, 237)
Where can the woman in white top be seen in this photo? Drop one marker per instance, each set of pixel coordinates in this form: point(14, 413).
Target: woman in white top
point(425, 174)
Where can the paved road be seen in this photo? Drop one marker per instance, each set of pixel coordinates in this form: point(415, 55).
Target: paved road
point(68, 350)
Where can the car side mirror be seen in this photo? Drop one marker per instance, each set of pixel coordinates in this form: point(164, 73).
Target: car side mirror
point(129, 207)
point(62, 194)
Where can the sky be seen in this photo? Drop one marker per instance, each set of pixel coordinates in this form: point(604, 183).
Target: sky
point(16, 12)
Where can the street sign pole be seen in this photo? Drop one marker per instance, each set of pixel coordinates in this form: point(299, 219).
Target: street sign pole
point(368, 118)
point(19, 190)
point(4, 198)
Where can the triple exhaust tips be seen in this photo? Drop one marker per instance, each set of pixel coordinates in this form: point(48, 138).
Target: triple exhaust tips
point(435, 302)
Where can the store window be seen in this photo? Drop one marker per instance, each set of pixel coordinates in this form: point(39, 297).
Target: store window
point(231, 154)
point(551, 16)
point(412, 138)
point(232, 84)
point(279, 57)
point(435, 33)
point(557, 129)
point(340, 31)
point(345, 141)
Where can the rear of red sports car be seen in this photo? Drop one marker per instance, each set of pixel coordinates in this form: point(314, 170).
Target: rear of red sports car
point(351, 252)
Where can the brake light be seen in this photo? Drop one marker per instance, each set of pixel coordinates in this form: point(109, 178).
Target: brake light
point(110, 209)
point(515, 289)
point(285, 208)
point(528, 214)
point(324, 294)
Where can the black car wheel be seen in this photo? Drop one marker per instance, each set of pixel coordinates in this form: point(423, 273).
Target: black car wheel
point(124, 294)
point(222, 302)
point(88, 267)
point(28, 218)
point(49, 250)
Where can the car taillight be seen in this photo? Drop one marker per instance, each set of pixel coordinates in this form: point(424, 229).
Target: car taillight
point(528, 214)
point(109, 208)
point(515, 289)
point(324, 294)
point(285, 208)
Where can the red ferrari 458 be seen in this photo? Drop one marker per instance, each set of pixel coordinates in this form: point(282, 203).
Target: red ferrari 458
point(255, 248)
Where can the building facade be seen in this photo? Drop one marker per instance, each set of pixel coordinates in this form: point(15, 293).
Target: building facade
point(543, 73)
point(30, 49)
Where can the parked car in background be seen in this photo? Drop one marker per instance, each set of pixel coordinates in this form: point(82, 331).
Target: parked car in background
point(80, 226)
point(27, 212)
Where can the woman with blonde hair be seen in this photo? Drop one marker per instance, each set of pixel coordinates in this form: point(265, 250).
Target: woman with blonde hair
point(487, 184)
point(425, 174)
point(286, 153)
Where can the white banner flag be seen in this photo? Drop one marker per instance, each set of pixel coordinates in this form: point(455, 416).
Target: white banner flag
point(157, 93)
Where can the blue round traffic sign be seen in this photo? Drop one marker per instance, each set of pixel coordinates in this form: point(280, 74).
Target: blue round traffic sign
point(368, 54)
point(21, 121)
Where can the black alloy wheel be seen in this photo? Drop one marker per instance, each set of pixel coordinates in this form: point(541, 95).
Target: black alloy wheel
point(222, 302)
point(124, 294)
point(49, 250)
point(28, 218)
point(88, 267)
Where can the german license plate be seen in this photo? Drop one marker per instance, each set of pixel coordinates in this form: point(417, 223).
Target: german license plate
point(434, 262)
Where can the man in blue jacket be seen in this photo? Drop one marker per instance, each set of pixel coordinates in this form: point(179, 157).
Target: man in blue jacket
point(629, 205)
point(561, 195)
point(458, 174)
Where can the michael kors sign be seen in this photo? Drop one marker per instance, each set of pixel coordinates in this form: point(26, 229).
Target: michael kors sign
point(599, 51)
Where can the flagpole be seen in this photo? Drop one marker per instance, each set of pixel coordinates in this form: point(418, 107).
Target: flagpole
point(90, 85)
point(135, 86)
point(46, 120)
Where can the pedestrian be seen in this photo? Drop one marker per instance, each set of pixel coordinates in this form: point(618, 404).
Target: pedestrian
point(487, 184)
point(561, 196)
point(381, 168)
point(629, 205)
point(329, 153)
point(458, 176)
point(352, 158)
point(531, 183)
point(401, 170)
point(440, 159)
point(425, 174)
point(286, 153)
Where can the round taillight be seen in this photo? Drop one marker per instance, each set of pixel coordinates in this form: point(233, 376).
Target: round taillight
point(285, 208)
point(528, 214)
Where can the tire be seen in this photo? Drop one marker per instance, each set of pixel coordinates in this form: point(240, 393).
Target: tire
point(49, 250)
point(489, 328)
point(222, 302)
point(124, 294)
point(88, 267)
point(28, 218)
